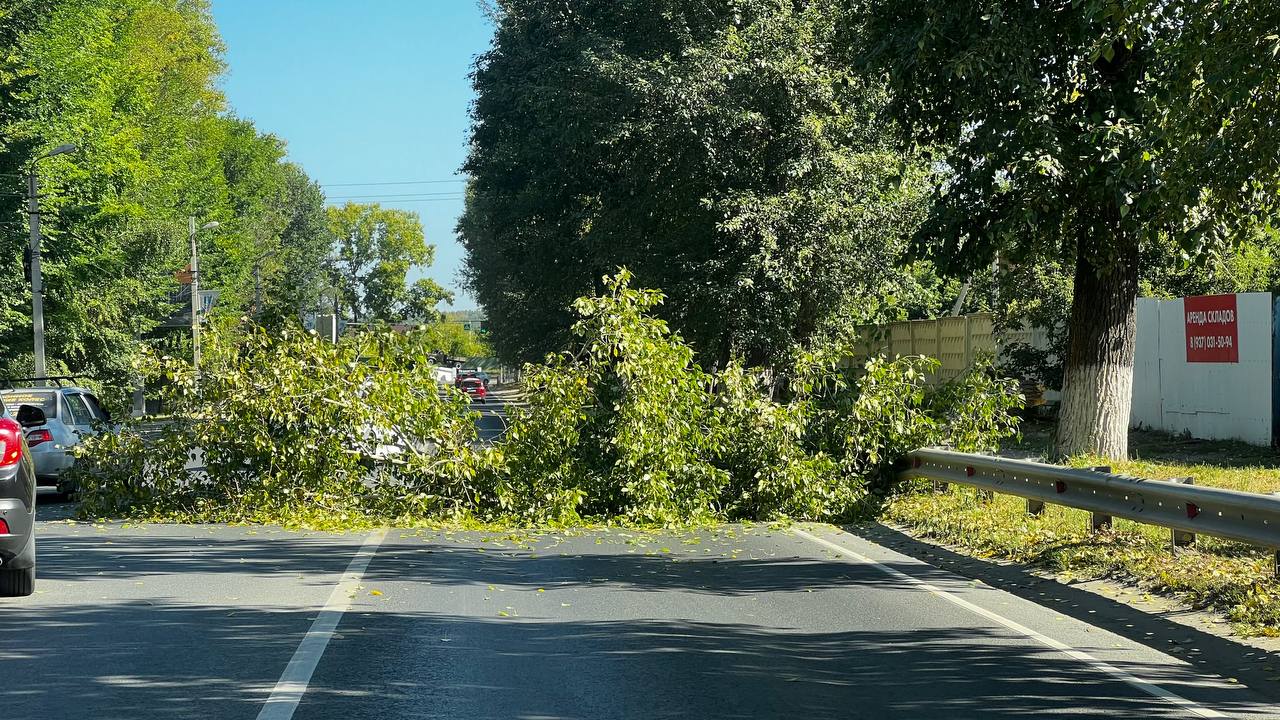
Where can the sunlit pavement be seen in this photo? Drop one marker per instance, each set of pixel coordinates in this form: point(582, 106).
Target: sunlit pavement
point(740, 622)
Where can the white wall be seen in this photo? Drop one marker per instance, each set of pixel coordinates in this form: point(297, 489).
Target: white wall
point(1207, 400)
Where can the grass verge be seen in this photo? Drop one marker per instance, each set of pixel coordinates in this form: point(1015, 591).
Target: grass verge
point(1233, 579)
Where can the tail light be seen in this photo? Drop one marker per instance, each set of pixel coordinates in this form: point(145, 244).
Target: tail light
point(10, 443)
point(36, 437)
point(4, 528)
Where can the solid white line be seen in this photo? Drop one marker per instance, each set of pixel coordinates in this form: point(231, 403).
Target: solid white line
point(1144, 685)
point(297, 674)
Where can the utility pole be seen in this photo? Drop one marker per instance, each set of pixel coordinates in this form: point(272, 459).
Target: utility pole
point(195, 290)
point(195, 296)
point(37, 281)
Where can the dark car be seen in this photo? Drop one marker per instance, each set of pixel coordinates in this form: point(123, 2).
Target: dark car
point(17, 502)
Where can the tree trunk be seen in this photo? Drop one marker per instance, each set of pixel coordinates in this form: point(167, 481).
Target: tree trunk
point(1098, 370)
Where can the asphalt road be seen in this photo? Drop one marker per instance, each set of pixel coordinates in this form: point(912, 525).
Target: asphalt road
point(211, 622)
point(493, 414)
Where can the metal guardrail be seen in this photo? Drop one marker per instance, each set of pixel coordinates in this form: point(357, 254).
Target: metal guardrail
point(1185, 508)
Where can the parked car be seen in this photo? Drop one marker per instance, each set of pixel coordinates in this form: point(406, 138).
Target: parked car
point(71, 414)
point(479, 374)
point(17, 502)
point(475, 388)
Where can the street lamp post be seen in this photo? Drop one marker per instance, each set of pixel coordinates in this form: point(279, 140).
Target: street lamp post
point(37, 282)
point(195, 290)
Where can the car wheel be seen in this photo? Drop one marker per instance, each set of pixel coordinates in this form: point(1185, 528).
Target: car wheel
point(17, 583)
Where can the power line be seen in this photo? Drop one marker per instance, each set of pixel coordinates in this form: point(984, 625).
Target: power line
point(401, 195)
point(399, 182)
point(423, 200)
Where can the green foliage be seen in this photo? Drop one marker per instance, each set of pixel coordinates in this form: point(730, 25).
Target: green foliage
point(376, 247)
point(1085, 122)
point(291, 428)
point(134, 85)
point(723, 151)
point(761, 445)
point(616, 427)
point(453, 340)
point(629, 426)
point(1086, 132)
point(624, 426)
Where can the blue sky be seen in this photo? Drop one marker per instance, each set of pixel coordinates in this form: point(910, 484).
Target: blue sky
point(364, 92)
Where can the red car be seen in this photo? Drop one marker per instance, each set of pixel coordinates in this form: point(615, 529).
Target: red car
point(475, 388)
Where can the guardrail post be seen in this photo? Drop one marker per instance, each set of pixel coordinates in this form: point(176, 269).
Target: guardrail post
point(1276, 551)
point(1182, 538)
point(1098, 521)
point(1035, 507)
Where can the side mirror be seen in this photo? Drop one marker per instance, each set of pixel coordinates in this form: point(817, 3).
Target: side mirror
point(30, 416)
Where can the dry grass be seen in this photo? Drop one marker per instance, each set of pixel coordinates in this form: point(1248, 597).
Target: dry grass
point(1234, 579)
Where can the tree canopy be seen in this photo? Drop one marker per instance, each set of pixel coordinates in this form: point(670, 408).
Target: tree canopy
point(134, 85)
point(724, 151)
point(376, 247)
point(1087, 131)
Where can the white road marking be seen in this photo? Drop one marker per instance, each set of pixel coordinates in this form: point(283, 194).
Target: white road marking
point(1144, 685)
point(297, 674)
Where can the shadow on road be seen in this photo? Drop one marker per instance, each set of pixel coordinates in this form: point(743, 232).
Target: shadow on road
point(1211, 653)
point(175, 657)
point(142, 659)
point(446, 666)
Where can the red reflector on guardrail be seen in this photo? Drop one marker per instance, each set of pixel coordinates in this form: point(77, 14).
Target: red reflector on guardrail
point(1060, 486)
point(1192, 510)
point(916, 462)
point(968, 471)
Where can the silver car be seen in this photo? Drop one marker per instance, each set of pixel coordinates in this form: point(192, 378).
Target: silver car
point(71, 414)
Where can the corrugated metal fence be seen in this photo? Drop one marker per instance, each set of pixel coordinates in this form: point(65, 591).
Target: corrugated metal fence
point(955, 341)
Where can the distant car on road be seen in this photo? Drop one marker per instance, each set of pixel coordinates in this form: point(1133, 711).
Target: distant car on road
point(479, 374)
point(17, 502)
point(71, 414)
point(475, 388)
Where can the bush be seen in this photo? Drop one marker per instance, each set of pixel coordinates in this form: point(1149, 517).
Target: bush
point(291, 428)
point(625, 426)
point(628, 426)
point(615, 428)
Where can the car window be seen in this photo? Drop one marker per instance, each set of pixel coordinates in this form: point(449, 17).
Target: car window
point(95, 407)
point(80, 412)
point(46, 400)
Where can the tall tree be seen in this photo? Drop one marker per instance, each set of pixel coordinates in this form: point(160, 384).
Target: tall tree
point(1087, 130)
point(134, 84)
point(722, 150)
point(376, 248)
